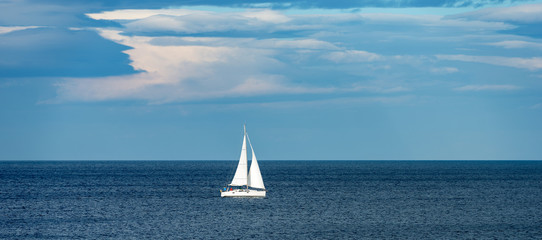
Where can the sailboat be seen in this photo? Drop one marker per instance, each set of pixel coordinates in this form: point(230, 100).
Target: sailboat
point(245, 184)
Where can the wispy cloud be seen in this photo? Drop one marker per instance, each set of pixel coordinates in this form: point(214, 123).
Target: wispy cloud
point(352, 56)
point(195, 21)
point(487, 88)
point(534, 63)
point(511, 44)
point(527, 13)
point(330, 102)
point(444, 70)
point(436, 21)
point(379, 89)
point(135, 14)
point(4, 30)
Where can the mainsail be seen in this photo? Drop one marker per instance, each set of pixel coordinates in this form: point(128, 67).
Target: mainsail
point(240, 177)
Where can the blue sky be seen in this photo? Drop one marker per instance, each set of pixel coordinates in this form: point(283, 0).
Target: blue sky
point(363, 80)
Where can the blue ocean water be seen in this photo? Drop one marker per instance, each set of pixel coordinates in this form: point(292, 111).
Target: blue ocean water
point(306, 200)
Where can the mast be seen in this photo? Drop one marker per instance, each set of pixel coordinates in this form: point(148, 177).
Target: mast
point(245, 136)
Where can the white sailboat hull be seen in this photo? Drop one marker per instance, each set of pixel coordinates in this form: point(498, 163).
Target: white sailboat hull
point(243, 193)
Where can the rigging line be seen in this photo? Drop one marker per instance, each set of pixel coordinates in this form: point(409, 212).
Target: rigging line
point(251, 148)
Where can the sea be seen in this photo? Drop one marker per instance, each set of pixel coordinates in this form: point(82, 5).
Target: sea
point(305, 200)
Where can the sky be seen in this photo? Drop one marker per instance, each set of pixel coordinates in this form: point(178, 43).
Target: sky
point(312, 80)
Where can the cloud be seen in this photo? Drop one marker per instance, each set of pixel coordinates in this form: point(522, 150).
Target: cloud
point(227, 22)
point(194, 21)
point(264, 21)
point(525, 18)
point(202, 22)
point(223, 67)
point(429, 20)
point(282, 4)
point(325, 102)
point(187, 54)
point(189, 72)
point(232, 14)
point(350, 56)
point(175, 54)
point(533, 64)
point(175, 68)
point(487, 88)
point(271, 43)
point(4, 30)
point(444, 70)
point(378, 89)
point(517, 44)
point(527, 13)
point(136, 14)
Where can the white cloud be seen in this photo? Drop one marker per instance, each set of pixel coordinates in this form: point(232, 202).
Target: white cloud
point(188, 72)
point(134, 14)
point(351, 56)
point(444, 70)
point(332, 102)
point(197, 21)
point(270, 43)
point(264, 15)
point(528, 13)
point(4, 30)
point(194, 21)
point(378, 89)
point(516, 44)
point(487, 88)
point(260, 51)
point(534, 63)
point(298, 44)
point(434, 21)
